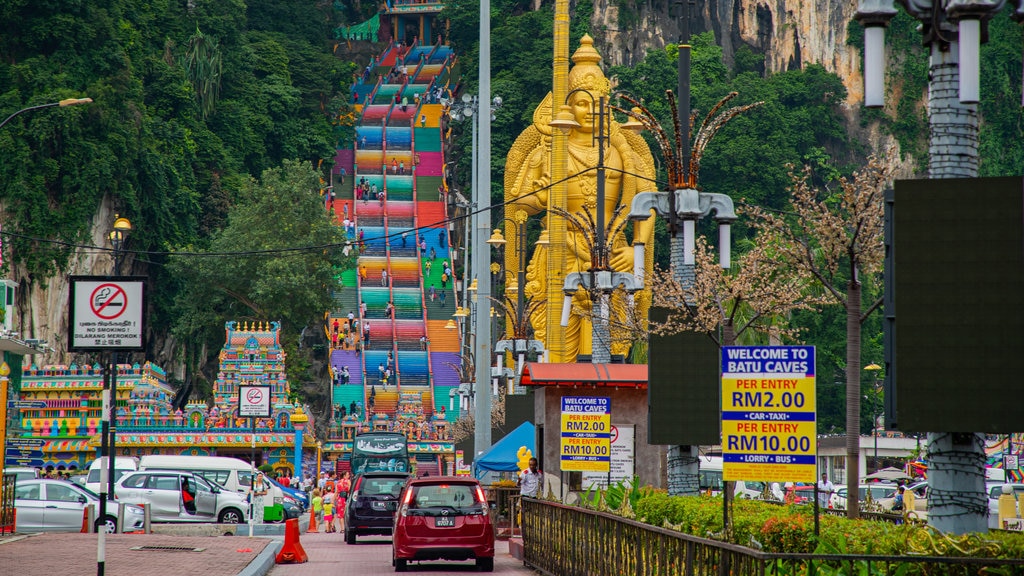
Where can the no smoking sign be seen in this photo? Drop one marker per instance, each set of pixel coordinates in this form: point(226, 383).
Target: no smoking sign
point(254, 401)
point(106, 313)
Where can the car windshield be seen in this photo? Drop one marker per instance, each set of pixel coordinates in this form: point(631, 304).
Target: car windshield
point(381, 486)
point(94, 474)
point(459, 497)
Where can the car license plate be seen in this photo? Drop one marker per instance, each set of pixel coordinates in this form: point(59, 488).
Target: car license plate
point(380, 505)
point(444, 522)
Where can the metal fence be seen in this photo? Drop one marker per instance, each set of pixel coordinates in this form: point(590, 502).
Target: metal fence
point(564, 540)
point(7, 504)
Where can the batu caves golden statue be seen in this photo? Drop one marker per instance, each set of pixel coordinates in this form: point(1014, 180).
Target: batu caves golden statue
point(549, 175)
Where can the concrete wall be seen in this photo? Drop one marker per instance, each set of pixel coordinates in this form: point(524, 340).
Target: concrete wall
point(629, 408)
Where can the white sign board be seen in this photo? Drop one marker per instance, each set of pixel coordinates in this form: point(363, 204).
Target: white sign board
point(254, 401)
point(106, 313)
point(623, 451)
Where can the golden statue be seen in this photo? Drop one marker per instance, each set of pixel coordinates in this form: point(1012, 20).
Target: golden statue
point(629, 168)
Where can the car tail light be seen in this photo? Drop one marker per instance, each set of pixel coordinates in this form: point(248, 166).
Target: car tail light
point(484, 509)
point(403, 510)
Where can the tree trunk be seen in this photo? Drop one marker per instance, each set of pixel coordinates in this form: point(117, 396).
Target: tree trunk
point(683, 466)
point(853, 290)
point(956, 474)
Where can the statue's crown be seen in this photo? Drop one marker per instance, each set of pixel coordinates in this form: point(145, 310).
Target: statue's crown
point(586, 73)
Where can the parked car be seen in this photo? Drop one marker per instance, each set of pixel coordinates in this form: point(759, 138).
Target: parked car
point(994, 491)
point(178, 496)
point(298, 496)
point(799, 494)
point(443, 518)
point(879, 493)
point(58, 506)
point(22, 473)
point(372, 503)
point(920, 490)
point(122, 466)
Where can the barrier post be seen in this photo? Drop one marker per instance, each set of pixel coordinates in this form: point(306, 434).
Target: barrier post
point(146, 528)
point(292, 552)
point(312, 522)
point(120, 518)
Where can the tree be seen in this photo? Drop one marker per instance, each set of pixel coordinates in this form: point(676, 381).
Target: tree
point(275, 260)
point(836, 238)
point(756, 295)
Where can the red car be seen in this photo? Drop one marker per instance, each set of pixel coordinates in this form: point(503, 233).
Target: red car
point(443, 518)
point(800, 494)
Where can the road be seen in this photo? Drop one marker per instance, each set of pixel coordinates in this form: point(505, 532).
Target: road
point(328, 554)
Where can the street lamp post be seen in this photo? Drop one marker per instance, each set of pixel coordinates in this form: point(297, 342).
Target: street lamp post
point(62, 104)
point(953, 31)
point(600, 280)
point(518, 341)
point(482, 226)
point(108, 424)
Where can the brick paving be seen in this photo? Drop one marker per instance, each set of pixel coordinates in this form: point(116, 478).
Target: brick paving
point(328, 554)
point(51, 554)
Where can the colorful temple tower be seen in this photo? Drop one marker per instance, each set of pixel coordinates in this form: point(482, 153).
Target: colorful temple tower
point(60, 410)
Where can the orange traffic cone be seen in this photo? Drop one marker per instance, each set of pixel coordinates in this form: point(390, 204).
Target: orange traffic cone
point(312, 522)
point(85, 520)
point(292, 552)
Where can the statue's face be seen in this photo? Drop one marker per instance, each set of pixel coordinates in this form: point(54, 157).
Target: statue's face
point(583, 110)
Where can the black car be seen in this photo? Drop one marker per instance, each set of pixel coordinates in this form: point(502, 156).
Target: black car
point(372, 503)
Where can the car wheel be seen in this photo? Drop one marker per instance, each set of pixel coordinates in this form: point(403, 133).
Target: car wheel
point(231, 516)
point(401, 565)
point(350, 536)
point(485, 564)
point(109, 524)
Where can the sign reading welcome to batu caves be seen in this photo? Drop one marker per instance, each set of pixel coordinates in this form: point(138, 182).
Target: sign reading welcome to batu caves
point(769, 427)
point(586, 433)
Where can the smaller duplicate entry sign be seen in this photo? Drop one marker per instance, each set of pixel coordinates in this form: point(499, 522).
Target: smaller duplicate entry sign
point(106, 313)
point(769, 426)
point(586, 434)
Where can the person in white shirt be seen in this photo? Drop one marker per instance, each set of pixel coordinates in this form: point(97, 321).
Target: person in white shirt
point(825, 491)
point(530, 479)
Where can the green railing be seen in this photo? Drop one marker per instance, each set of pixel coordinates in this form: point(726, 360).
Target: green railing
point(569, 541)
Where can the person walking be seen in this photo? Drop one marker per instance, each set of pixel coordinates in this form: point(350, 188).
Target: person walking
point(362, 273)
point(345, 375)
point(405, 238)
point(441, 239)
point(384, 277)
point(443, 296)
point(432, 292)
point(366, 335)
point(351, 319)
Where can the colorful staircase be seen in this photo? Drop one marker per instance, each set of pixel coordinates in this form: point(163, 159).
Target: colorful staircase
point(398, 148)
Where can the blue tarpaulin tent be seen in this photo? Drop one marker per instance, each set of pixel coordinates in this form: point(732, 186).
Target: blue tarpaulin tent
point(502, 457)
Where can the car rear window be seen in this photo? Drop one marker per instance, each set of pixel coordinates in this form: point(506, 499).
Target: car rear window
point(461, 497)
point(371, 486)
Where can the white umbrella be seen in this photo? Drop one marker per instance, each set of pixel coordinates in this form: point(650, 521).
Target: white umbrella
point(890, 473)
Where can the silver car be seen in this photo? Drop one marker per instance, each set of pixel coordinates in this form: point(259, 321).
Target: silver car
point(58, 506)
point(176, 496)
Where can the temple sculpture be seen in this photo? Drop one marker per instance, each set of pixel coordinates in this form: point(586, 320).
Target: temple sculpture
point(563, 248)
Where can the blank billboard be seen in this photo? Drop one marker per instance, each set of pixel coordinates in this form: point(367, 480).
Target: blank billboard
point(683, 401)
point(955, 312)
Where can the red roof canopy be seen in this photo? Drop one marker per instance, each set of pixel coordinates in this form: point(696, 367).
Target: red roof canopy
point(615, 375)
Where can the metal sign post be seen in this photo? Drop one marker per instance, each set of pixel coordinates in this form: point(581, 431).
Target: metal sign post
point(106, 314)
point(254, 401)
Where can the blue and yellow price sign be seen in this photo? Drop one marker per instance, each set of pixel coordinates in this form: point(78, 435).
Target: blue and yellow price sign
point(586, 434)
point(769, 427)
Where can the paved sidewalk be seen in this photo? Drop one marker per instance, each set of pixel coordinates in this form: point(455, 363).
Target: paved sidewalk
point(48, 554)
point(328, 554)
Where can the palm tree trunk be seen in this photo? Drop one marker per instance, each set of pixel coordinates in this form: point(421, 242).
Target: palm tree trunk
point(853, 294)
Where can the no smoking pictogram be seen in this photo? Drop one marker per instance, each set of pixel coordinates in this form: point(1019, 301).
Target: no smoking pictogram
point(108, 301)
point(254, 396)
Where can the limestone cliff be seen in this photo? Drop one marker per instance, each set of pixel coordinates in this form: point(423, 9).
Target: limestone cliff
point(790, 33)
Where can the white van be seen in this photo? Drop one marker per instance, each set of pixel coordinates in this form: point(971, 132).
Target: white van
point(122, 466)
point(231, 473)
point(710, 478)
